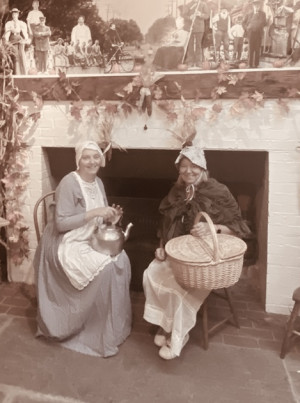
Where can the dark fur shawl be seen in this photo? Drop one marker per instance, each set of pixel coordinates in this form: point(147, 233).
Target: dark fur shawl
point(211, 197)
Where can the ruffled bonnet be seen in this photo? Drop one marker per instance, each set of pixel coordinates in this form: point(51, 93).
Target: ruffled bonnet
point(194, 154)
point(88, 145)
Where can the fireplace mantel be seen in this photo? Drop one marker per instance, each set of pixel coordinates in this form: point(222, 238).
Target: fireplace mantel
point(273, 83)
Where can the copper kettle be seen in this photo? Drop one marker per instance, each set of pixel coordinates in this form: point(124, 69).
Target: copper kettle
point(109, 238)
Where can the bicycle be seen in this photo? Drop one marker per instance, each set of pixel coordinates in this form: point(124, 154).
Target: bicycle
point(124, 59)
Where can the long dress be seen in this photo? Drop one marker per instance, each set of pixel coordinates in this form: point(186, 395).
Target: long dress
point(16, 33)
point(91, 313)
point(168, 305)
point(60, 59)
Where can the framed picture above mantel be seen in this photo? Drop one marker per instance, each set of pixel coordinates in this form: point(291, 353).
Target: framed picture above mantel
point(94, 37)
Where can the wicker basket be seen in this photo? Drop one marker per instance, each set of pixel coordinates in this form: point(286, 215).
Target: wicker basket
point(210, 262)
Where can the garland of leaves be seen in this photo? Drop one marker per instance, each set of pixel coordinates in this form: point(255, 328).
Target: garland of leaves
point(16, 124)
point(147, 88)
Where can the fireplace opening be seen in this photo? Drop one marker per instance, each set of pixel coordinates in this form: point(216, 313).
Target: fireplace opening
point(139, 178)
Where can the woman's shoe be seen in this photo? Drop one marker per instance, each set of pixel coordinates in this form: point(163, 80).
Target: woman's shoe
point(160, 339)
point(166, 352)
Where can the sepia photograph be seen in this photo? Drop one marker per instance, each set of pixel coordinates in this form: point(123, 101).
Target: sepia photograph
point(150, 201)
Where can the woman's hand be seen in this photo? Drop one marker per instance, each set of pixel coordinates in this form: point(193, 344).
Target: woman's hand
point(107, 213)
point(118, 213)
point(160, 254)
point(202, 228)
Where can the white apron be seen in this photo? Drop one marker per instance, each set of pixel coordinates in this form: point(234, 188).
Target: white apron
point(80, 261)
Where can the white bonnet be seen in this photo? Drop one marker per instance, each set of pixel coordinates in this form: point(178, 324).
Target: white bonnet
point(88, 145)
point(194, 154)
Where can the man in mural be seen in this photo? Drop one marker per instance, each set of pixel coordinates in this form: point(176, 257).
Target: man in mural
point(221, 30)
point(33, 17)
point(81, 32)
point(41, 35)
point(112, 41)
point(237, 35)
point(196, 12)
point(253, 24)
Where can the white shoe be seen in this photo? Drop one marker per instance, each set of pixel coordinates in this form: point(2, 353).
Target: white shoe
point(166, 352)
point(160, 339)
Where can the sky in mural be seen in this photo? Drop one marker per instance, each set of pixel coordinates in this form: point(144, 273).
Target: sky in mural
point(141, 11)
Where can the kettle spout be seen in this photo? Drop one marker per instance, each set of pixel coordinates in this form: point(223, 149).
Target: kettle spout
point(127, 230)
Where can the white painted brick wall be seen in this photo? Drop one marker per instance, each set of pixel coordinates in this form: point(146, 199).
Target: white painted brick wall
point(261, 130)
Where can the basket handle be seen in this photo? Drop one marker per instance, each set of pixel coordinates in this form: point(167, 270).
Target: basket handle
point(216, 251)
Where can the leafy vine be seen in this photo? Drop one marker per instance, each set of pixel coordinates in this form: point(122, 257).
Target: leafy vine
point(16, 125)
point(185, 114)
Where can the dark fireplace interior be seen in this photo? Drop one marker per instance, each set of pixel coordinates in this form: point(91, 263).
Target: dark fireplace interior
point(138, 179)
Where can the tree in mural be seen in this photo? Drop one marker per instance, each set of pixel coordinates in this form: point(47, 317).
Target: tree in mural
point(62, 16)
point(159, 29)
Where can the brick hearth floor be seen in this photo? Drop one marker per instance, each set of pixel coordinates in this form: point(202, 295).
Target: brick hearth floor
point(258, 329)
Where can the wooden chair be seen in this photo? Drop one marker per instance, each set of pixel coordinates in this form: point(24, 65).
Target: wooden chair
point(291, 332)
point(41, 212)
point(232, 318)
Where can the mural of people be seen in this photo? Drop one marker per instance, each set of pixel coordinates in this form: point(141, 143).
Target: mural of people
point(196, 34)
point(15, 32)
point(253, 24)
point(81, 32)
point(41, 34)
point(196, 12)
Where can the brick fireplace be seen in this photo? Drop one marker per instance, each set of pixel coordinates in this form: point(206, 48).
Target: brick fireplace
point(139, 178)
point(259, 150)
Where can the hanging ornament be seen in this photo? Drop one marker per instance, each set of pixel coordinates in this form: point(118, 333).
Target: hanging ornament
point(146, 100)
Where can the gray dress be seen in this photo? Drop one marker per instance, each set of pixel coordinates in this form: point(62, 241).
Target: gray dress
point(96, 319)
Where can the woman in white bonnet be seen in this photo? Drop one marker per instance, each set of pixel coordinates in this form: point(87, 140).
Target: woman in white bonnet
point(168, 305)
point(83, 295)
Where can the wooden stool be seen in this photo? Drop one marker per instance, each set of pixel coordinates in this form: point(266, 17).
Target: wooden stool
point(290, 331)
point(206, 332)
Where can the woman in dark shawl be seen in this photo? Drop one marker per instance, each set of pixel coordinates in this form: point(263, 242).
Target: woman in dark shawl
point(168, 305)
